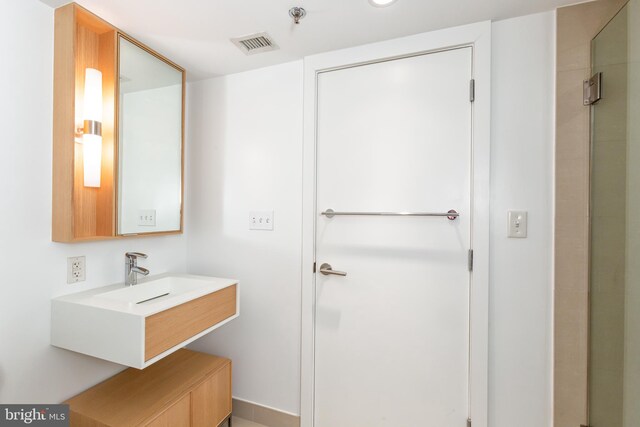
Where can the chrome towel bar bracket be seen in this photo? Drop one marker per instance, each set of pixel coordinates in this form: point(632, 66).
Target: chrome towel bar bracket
point(450, 215)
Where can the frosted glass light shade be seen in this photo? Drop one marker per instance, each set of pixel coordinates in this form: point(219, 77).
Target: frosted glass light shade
point(92, 107)
point(92, 138)
point(92, 159)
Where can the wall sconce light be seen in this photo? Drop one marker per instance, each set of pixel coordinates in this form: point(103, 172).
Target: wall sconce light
point(92, 132)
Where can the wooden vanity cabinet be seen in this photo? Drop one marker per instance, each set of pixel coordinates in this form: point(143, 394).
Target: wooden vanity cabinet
point(185, 389)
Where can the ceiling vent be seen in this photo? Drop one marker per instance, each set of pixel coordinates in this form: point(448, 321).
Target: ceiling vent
point(255, 43)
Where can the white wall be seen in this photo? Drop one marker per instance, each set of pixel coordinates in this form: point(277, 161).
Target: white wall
point(33, 268)
point(522, 146)
point(245, 139)
point(245, 153)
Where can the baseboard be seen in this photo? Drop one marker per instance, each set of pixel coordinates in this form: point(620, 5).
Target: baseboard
point(264, 415)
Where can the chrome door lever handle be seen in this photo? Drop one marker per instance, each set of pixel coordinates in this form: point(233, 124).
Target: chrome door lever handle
point(327, 270)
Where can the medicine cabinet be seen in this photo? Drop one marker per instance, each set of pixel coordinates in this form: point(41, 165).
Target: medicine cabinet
point(118, 133)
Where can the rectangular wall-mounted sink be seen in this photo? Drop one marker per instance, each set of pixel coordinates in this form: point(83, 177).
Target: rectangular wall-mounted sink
point(139, 325)
point(170, 286)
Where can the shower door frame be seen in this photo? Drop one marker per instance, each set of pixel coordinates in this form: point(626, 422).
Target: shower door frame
point(478, 37)
point(577, 25)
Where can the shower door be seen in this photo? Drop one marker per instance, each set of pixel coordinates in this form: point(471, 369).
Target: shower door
point(614, 330)
point(392, 335)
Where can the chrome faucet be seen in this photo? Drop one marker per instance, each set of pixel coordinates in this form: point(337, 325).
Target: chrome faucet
point(131, 269)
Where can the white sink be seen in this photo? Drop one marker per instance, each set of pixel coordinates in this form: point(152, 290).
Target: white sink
point(153, 290)
point(139, 325)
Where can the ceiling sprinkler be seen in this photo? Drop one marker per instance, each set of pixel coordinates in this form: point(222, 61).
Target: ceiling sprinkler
point(297, 13)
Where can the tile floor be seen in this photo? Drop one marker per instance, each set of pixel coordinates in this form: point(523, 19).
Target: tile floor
point(239, 422)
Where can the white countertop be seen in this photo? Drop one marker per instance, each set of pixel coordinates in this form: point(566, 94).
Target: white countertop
point(202, 285)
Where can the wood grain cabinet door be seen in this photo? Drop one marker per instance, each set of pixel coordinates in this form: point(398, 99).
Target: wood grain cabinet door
point(171, 327)
point(178, 415)
point(211, 400)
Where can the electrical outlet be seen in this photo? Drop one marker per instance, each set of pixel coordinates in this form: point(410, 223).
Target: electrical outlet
point(261, 220)
point(147, 217)
point(76, 269)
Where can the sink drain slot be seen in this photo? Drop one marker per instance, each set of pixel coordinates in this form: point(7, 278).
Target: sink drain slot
point(152, 298)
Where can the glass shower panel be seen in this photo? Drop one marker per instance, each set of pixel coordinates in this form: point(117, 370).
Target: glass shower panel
point(614, 359)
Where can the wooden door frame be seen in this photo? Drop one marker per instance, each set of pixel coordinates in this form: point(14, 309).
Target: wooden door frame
point(477, 36)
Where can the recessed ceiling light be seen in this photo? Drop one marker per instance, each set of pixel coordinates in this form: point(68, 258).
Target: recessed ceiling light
point(382, 3)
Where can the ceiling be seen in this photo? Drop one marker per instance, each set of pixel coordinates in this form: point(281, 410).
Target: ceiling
point(196, 33)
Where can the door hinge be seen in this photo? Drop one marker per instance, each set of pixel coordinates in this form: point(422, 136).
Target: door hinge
point(592, 89)
point(314, 267)
point(470, 260)
point(472, 90)
point(468, 422)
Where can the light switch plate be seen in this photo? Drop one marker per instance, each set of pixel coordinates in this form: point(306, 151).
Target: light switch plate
point(517, 224)
point(261, 220)
point(76, 269)
point(147, 217)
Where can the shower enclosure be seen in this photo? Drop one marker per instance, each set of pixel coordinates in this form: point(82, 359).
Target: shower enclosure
point(614, 325)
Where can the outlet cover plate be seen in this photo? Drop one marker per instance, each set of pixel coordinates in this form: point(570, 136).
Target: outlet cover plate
point(261, 220)
point(147, 217)
point(517, 224)
point(76, 269)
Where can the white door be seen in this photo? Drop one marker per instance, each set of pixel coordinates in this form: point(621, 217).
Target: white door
point(392, 336)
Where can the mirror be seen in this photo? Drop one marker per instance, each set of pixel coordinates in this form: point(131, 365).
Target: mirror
point(150, 141)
